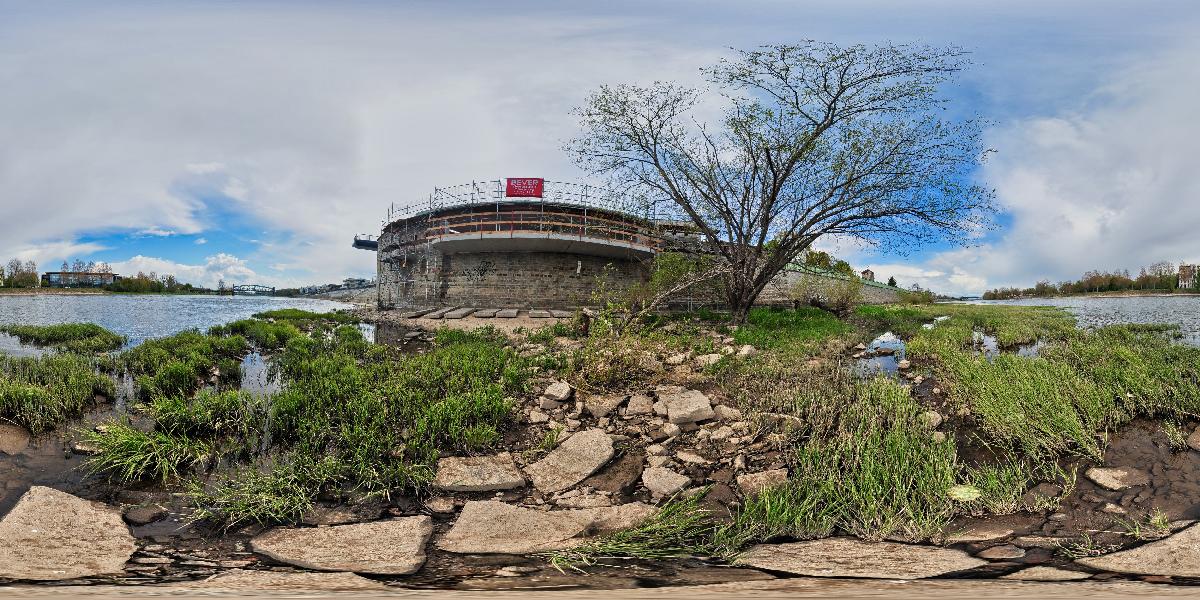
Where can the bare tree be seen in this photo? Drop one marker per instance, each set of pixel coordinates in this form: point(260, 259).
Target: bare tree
point(815, 140)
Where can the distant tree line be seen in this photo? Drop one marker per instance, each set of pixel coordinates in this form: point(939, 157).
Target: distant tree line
point(20, 274)
point(151, 283)
point(1160, 276)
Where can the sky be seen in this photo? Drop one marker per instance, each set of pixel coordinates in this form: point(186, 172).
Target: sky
point(249, 141)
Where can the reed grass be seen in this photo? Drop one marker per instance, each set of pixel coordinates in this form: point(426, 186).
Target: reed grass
point(83, 338)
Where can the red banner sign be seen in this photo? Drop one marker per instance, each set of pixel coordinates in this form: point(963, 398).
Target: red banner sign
point(524, 187)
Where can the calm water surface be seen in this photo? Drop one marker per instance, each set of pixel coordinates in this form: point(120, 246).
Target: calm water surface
point(143, 317)
point(1183, 311)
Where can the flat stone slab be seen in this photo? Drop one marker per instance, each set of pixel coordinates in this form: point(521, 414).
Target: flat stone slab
point(850, 557)
point(539, 314)
point(439, 313)
point(685, 406)
point(572, 461)
point(1117, 478)
point(1043, 573)
point(52, 535)
point(485, 313)
point(393, 547)
point(492, 527)
point(602, 406)
point(507, 313)
point(1176, 555)
point(478, 473)
point(413, 314)
point(754, 483)
point(458, 313)
point(242, 579)
point(13, 438)
point(663, 482)
point(561, 314)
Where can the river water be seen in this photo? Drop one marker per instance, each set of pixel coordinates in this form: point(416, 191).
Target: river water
point(1099, 311)
point(141, 317)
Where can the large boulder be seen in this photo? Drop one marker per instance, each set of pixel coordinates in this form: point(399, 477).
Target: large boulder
point(849, 557)
point(52, 535)
point(492, 527)
point(1177, 555)
point(478, 473)
point(685, 406)
point(573, 461)
point(1117, 478)
point(393, 547)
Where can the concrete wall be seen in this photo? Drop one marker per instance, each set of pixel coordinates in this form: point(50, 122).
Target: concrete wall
point(498, 279)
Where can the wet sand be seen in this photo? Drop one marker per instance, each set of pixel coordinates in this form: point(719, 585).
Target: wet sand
point(781, 588)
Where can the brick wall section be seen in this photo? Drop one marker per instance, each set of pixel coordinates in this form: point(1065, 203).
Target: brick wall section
point(502, 279)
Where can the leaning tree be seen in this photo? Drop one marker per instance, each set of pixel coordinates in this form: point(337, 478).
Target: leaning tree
point(812, 140)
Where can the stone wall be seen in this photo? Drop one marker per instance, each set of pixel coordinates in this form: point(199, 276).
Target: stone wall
point(499, 279)
point(782, 288)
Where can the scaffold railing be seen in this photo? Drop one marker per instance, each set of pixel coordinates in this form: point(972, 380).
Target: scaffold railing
point(554, 192)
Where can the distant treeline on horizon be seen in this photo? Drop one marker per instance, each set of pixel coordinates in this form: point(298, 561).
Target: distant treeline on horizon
point(1160, 277)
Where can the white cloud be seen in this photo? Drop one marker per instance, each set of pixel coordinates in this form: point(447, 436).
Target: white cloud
point(1108, 184)
point(216, 268)
point(201, 241)
point(156, 232)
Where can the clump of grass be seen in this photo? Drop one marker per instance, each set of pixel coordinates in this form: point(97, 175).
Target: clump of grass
point(84, 338)
point(209, 414)
point(1176, 436)
point(366, 418)
point(277, 491)
point(767, 328)
point(40, 393)
point(177, 365)
point(1153, 526)
point(866, 464)
point(297, 314)
point(268, 335)
point(681, 528)
point(1085, 547)
point(128, 454)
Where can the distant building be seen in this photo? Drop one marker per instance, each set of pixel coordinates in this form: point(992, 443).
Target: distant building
point(61, 279)
point(868, 275)
point(355, 282)
point(1187, 276)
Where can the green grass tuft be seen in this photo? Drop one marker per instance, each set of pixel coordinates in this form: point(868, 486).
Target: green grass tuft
point(83, 338)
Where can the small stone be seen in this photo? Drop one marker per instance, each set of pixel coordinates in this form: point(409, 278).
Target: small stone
point(13, 438)
point(932, 418)
point(671, 430)
point(602, 406)
point(707, 360)
point(545, 403)
point(686, 406)
point(441, 505)
point(860, 347)
point(538, 416)
point(1193, 440)
point(722, 433)
point(903, 365)
point(663, 482)
point(497, 528)
point(84, 448)
point(657, 461)
point(691, 457)
point(478, 473)
point(639, 404)
point(727, 413)
point(145, 514)
point(1002, 552)
point(754, 483)
point(1112, 509)
point(747, 351)
point(676, 359)
point(656, 450)
point(559, 391)
point(939, 437)
point(1117, 478)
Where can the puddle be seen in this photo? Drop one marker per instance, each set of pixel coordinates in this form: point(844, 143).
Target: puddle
point(258, 378)
point(882, 357)
point(11, 346)
point(989, 347)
